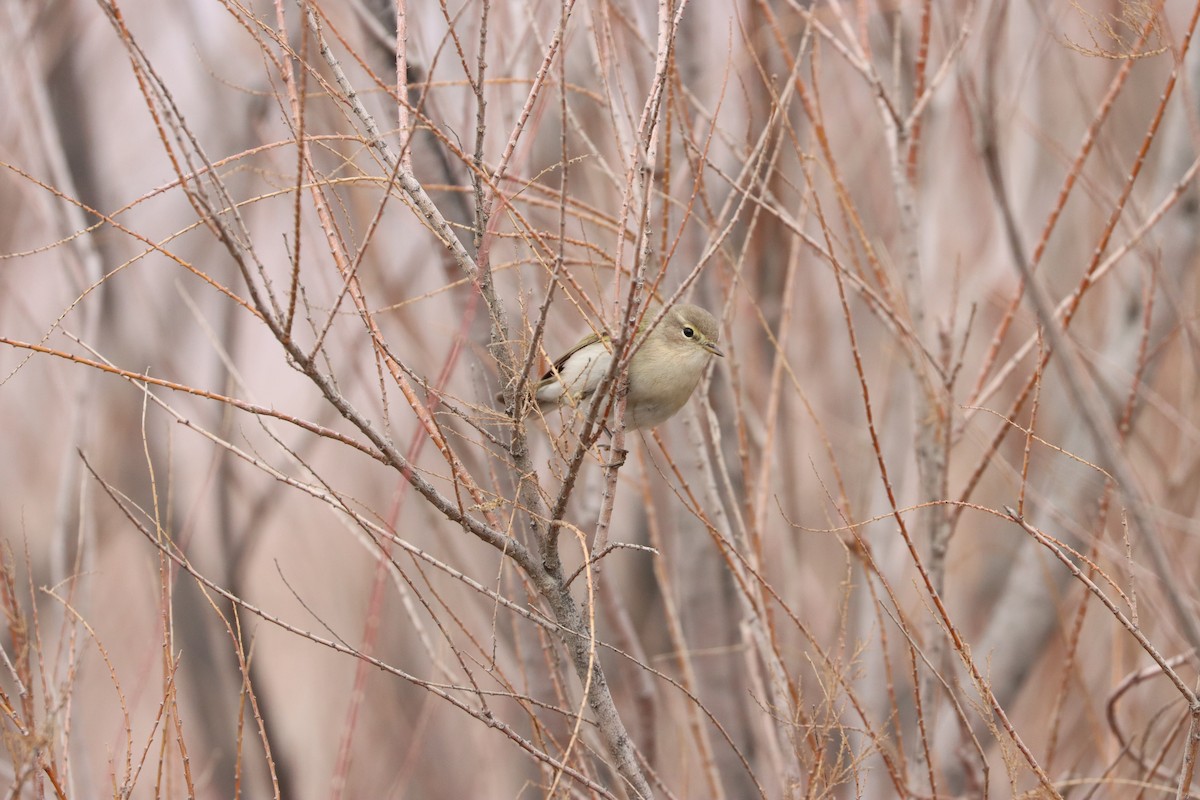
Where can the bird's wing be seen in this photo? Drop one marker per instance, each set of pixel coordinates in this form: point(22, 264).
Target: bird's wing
point(553, 373)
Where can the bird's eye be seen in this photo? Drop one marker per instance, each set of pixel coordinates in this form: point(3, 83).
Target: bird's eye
point(688, 332)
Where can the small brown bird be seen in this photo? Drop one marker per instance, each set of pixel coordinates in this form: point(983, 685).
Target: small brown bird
point(663, 373)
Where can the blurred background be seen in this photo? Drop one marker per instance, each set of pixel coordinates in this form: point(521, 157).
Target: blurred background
point(927, 531)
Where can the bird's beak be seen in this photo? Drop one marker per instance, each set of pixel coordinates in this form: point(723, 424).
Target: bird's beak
point(712, 348)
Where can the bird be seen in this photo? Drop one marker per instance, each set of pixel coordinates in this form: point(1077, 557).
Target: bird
point(663, 373)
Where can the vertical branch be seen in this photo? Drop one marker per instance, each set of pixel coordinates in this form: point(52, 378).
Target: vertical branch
point(403, 125)
point(919, 80)
point(300, 106)
point(479, 84)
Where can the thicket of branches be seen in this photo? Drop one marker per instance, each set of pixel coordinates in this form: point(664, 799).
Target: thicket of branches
point(279, 519)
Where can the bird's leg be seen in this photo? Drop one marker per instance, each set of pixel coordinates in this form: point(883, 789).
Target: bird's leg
point(618, 455)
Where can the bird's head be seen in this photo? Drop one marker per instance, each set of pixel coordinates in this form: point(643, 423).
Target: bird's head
point(687, 327)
